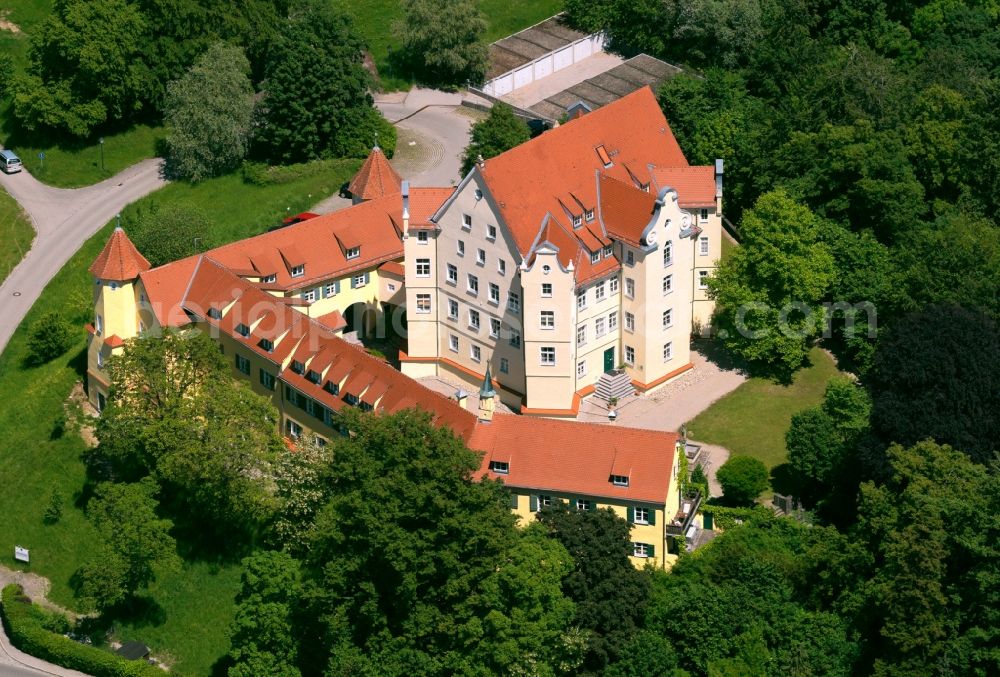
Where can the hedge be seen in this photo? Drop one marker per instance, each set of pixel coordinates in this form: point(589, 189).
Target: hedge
point(725, 517)
point(26, 626)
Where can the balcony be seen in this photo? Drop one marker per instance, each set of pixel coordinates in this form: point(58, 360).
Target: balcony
point(681, 522)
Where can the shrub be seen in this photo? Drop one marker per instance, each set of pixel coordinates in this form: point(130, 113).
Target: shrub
point(53, 512)
point(27, 626)
point(170, 232)
point(743, 478)
point(50, 336)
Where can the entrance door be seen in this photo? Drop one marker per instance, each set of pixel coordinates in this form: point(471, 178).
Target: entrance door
point(609, 359)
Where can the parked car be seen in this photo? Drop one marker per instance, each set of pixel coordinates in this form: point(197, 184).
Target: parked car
point(9, 162)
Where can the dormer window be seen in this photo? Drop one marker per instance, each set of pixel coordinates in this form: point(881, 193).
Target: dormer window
point(577, 221)
point(500, 467)
point(595, 256)
point(332, 388)
point(298, 367)
point(267, 345)
point(619, 480)
point(312, 377)
point(353, 253)
point(589, 215)
point(299, 270)
point(243, 330)
point(608, 251)
point(422, 236)
point(215, 313)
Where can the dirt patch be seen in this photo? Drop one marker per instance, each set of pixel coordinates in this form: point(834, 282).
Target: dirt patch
point(6, 24)
point(80, 415)
point(36, 587)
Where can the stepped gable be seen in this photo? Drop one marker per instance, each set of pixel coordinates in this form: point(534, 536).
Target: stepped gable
point(376, 178)
point(119, 261)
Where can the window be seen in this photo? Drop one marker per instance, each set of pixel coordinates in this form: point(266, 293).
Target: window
point(514, 302)
point(582, 504)
point(269, 279)
point(309, 295)
point(501, 266)
point(642, 550)
point(359, 280)
point(504, 365)
point(332, 289)
point(577, 221)
point(619, 480)
point(476, 354)
point(423, 303)
point(474, 320)
point(609, 251)
point(494, 293)
point(546, 269)
point(461, 248)
point(481, 257)
point(640, 515)
point(629, 355)
point(319, 441)
point(215, 313)
point(702, 279)
point(453, 343)
point(547, 289)
point(313, 377)
point(581, 368)
point(668, 318)
point(629, 321)
point(547, 319)
point(267, 379)
point(581, 300)
point(595, 256)
point(241, 329)
point(500, 467)
point(589, 215)
point(544, 501)
point(266, 345)
point(491, 232)
point(452, 274)
point(452, 309)
point(515, 338)
point(298, 367)
point(467, 221)
point(473, 285)
point(668, 351)
point(293, 429)
point(422, 236)
point(581, 335)
point(613, 284)
point(298, 271)
point(494, 327)
point(242, 365)
point(353, 253)
point(332, 388)
point(668, 254)
point(612, 320)
point(703, 245)
point(423, 267)
point(630, 287)
point(668, 284)
point(599, 329)
point(630, 258)
point(99, 325)
point(599, 291)
point(547, 355)
point(703, 215)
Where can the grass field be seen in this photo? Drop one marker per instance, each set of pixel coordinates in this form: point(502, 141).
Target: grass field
point(752, 420)
point(16, 233)
point(197, 603)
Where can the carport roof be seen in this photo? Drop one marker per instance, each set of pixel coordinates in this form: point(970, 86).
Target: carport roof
point(524, 47)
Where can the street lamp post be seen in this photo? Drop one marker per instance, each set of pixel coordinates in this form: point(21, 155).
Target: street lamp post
point(101, 141)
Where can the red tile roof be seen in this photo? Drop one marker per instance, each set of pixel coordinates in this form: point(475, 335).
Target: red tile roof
point(376, 178)
point(165, 287)
point(695, 186)
point(332, 320)
point(119, 261)
point(625, 209)
point(393, 268)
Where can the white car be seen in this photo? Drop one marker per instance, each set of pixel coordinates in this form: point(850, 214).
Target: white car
point(9, 162)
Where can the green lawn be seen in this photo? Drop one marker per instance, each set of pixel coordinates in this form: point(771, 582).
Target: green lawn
point(752, 420)
point(16, 233)
point(197, 602)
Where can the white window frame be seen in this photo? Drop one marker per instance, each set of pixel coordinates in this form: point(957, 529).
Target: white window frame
point(423, 303)
point(599, 328)
point(577, 221)
point(359, 281)
point(504, 365)
point(630, 258)
point(630, 355)
point(668, 351)
point(668, 254)
point(640, 550)
point(613, 284)
point(613, 320)
point(595, 257)
point(513, 302)
point(352, 253)
point(629, 322)
point(636, 519)
point(609, 251)
point(703, 279)
point(629, 288)
point(298, 271)
point(494, 294)
point(452, 309)
point(581, 335)
point(588, 215)
point(331, 289)
point(269, 279)
point(703, 215)
point(668, 318)
point(460, 247)
point(472, 284)
point(583, 504)
point(474, 320)
point(453, 343)
point(515, 338)
point(704, 246)
point(581, 368)
point(309, 295)
point(422, 236)
point(501, 266)
point(581, 299)
point(423, 268)
point(668, 284)
point(452, 274)
point(491, 231)
point(476, 353)
point(494, 327)
point(547, 356)
point(547, 319)
point(467, 221)
point(599, 291)
point(481, 257)
point(546, 290)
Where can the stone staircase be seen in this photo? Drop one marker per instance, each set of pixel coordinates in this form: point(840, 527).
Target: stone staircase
point(614, 384)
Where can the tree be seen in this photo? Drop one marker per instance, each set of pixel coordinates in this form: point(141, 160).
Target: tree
point(85, 68)
point(442, 41)
point(609, 592)
point(263, 634)
point(209, 114)
point(936, 375)
point(170, 231)
point(50, 336)
point(499, 132)
point(743, 478)
point(136, 544)
point(768, 291)
point(316, 91)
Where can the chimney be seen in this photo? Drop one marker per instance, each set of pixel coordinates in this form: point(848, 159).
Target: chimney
point(718, 185)
point(462, 398)
point(487, 397)
point(406, 205)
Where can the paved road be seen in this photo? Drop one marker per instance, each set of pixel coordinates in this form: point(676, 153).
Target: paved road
point(64, 219)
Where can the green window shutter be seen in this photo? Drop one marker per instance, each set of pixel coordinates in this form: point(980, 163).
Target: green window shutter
point(534, 504)
point(631, 515)
point(651, 550)
point(368, 278)
point(592, 506)
point(336, 287)
point(513, 501)
point(652, 516)
point(322, 291)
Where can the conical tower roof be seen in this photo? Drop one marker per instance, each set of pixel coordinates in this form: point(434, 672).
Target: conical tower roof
point(376, 178)
point(119, 261)
point(487, 388)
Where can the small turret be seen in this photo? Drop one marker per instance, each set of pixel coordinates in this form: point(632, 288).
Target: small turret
point(487, 397)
